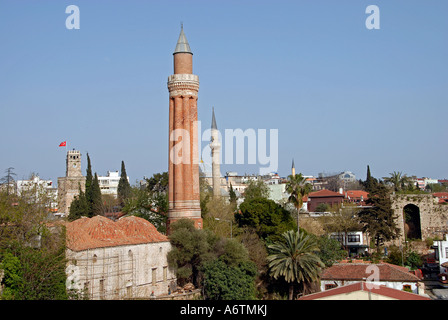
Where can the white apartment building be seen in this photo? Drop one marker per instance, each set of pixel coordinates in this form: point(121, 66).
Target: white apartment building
point(109, 184)
point(35, 187)
point(441, 254)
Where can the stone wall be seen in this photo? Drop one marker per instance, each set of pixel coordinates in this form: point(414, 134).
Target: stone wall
point(68, 188)
point(433, 216)
point(121, 272)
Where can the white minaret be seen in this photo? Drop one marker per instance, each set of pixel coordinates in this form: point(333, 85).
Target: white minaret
point(215, 145)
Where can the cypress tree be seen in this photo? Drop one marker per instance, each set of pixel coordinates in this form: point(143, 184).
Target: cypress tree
point(370, 182)
point(232, 194)
point(124, 188)
point(378, 219)
point(96, 206)
point(89, 182)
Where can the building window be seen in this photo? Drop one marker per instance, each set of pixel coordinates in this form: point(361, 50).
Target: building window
point(102, 289)
point(446, 252)
point(330, 286)
point(165, 272)
point(337, 237)
point(154, 276)
point(407, 287)
point(353, 238)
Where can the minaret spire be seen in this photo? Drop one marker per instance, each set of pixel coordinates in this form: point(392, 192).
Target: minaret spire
point(293, 168)
point(215, 146)
point(182, 45)
point(214, 126)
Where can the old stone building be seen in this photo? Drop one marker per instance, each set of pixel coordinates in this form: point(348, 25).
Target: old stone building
point(68, 186)
point(126, 259)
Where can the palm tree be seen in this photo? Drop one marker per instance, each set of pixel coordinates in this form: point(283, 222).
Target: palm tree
point(398, 180)
point(295, 259)
point(298, 187)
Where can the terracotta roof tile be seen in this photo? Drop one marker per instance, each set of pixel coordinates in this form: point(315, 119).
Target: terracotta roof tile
point(98, 232)
point(358, 271)
point(324, 193)
point(360, 286)
point(357, 194)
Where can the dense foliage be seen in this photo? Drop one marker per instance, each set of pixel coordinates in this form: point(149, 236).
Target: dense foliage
point(221, 265)
point(32, 252)
point(268, 218)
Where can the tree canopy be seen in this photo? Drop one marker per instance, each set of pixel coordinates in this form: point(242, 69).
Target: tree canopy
point(294, 259)
point(378, 219)
point(268, 218)
point(221, 265)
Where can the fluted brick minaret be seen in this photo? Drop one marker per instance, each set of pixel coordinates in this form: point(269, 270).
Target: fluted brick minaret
point(183, 169)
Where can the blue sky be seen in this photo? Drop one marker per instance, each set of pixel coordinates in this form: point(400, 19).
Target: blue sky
point(341, 96)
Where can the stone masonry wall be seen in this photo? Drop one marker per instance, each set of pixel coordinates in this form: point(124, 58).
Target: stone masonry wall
point(433, 216)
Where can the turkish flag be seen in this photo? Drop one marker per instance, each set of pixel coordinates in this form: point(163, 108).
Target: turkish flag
point(63, 144)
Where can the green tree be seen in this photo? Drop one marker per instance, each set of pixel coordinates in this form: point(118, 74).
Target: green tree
point(220, 217)
point(191, 248)
point(342, 221)
point(294, 259)
point(398, 180)
point(322, 207)
point(435, 187)
point(378, 218)
point(256, 189)
point(232, 197)
point(297, 187)
point(330, 250)
point(370, 182)
point(197, 254)
point(8, 180)
point(96, 202)
point(92, 194)
point(158, 182)
point(266, 217)
point(12, 277)
point(124, 188)
point(32, 254)
point(89, 187)
point(229, 282)
point(79, 206)
point(152, 206)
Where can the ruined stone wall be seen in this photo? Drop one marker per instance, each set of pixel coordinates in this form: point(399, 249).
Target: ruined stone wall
point(433, 216)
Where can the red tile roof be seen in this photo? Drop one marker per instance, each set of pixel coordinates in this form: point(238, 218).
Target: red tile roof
point(324, 193)
point(358, 271)
point(98, 232)
point(443, 196)
point(360, 286)
point(356, 194)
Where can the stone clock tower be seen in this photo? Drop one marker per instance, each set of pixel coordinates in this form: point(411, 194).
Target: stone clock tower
point(68, 186)
point(73, 164)
point(183, 164)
